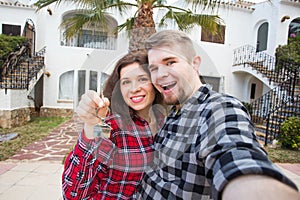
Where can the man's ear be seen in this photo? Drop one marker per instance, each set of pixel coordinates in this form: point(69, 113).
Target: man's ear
point(196, 63)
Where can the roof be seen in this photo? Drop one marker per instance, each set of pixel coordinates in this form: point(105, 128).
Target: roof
point(239, 4)
point(15, 4)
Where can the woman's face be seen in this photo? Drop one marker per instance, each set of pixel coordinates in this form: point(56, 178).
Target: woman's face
point(136, 88)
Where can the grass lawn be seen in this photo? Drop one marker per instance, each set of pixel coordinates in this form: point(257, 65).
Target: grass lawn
point(281, 155)
point(35, 130)
point(38, 128)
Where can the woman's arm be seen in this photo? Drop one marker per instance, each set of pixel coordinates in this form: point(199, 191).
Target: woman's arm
point(84, 170)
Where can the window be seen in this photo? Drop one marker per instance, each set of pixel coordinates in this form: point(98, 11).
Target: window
point(66, 83)
point(294, 28)
point(212, 81)
point(92, 39)
point(12, 30)
point(262, 37)
point(83, 80)
point(93, 80)
point(96, 35)
point(252, 92)
point(207, 36)
point(81, 83)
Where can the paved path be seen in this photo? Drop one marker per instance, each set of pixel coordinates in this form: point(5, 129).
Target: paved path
point(35, 172)
point(54, 147)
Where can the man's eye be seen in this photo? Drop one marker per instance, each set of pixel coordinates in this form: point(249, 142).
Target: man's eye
point(170, 63)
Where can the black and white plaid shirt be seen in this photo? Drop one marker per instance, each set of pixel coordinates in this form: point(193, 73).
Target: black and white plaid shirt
point(201, 147)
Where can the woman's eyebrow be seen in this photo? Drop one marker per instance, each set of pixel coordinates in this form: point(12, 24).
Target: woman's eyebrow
point(124, 78)
point(152, 65)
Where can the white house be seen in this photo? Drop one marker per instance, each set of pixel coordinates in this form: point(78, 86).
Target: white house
point(75, 65)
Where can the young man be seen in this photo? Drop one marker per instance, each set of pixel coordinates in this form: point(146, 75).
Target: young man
point(207, 148)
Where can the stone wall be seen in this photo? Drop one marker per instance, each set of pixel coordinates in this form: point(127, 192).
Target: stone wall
point(19, 117)
point(56, 112)
point(14, 118)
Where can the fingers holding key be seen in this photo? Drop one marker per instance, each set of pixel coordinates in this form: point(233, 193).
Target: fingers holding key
point(88, 104)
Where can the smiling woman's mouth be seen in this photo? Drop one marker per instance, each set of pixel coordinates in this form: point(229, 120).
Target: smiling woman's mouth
point(137, 99)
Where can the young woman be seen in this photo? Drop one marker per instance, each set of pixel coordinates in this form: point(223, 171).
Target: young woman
point(100, 168)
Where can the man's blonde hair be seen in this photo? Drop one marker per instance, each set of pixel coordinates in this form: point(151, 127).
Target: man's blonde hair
point(174, 39)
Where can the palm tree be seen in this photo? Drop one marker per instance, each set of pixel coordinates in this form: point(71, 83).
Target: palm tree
point(141, 25)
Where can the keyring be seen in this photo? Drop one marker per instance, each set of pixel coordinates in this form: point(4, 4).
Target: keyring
point(103, 124)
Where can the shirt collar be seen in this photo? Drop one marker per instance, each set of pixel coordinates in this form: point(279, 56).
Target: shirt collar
point(198, 97)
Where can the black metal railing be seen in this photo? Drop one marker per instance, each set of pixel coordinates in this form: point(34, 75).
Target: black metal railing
point(20, 77)
point(260, 61)
point(281, 102)
point(90, 41)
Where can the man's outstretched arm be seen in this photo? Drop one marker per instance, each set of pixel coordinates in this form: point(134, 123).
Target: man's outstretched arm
point(249, 187)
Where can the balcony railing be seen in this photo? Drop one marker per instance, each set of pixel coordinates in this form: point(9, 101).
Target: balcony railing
point(282, 101)
point(90, 41)
point(26, 70)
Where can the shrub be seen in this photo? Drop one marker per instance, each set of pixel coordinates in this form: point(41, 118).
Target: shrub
point(9, 44)
point(289, 53)
point(290, 133)
point(248, 107)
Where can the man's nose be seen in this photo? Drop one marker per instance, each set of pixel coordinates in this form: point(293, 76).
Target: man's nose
point(162, 71)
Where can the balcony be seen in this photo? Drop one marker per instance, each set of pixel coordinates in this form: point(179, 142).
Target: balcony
point(95, 41)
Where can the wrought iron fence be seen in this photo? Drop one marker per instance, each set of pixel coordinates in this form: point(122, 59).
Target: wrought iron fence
point(90, 41)
point(283, 101)
point(260, 61)
point(28, 68)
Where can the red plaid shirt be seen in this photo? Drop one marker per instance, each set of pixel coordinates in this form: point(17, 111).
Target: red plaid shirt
point(110, 168)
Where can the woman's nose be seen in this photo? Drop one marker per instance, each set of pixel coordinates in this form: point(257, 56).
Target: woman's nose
point(135, 87)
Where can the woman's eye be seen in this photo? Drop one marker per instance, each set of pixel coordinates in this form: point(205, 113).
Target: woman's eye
point(144, 79)
point(125, 82)
point(153, 68)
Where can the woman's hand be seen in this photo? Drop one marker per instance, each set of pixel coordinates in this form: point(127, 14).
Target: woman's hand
point(86, 110)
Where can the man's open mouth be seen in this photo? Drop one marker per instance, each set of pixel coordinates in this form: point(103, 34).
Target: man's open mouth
point(168, 86)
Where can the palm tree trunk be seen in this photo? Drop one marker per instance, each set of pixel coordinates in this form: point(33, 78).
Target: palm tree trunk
point(143, 27)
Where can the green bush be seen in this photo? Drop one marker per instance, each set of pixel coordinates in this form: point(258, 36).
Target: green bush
point(9, 44)
point(289, 53)
point(248, 107)
point(290, 133)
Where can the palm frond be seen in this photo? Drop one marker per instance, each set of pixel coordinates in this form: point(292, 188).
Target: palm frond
point(74, 24)
point(44, 3)
point(88, 4)
point(128, 25)
point(206, 4)
point(187, 20)
point(120, 6)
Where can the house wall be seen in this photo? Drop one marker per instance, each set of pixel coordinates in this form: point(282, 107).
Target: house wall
point(241, 29)
point(60, 59)
point(15, 14)
point(15, 107)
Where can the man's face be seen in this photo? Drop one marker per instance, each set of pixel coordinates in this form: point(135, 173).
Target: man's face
point(172, 74)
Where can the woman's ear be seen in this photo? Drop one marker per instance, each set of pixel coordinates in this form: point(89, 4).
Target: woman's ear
point(196, 63)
